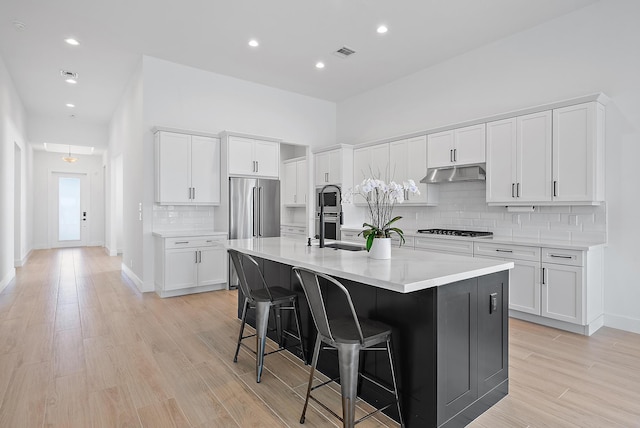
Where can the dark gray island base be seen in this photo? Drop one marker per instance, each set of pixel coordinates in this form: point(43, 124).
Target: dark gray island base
point(450, 343)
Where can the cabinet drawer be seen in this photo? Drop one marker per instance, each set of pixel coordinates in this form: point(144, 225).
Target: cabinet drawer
point(292, 230)
point(351, 236)
point(445, 245)
point(562, 257)
point(194, 242)
point(507, 251)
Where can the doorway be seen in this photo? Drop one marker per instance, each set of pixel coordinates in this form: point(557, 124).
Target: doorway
point(69, 205)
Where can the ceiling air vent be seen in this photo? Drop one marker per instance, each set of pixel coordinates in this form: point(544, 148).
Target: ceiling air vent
point(344, 52)
point(68, 74)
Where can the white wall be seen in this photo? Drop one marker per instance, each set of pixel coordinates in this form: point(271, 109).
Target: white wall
point(126, 140)
point(46, 163)
point(591, 50)
point(12, 132)
point(64, 130)
point(185, 97)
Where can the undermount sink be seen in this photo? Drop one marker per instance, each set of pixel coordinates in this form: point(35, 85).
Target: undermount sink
point(345, 246)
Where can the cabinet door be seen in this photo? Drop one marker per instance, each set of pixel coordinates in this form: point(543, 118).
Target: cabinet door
point(173, 163)
point(534, 157)
point(524, 287)
point(267, 157)
point(180, 269)
point(289, 186)
point(562, 292)
point(241, 158)
point(361, 164)
point(457, 385)
point(322, 161)
point(574, 163)
point(380, 162)
point(440, 149)
point(398, 158)
point(501, 161)
point(335, 167)
point(205, 169)
point(469, 145)
point(301, 182)
point(212, 265)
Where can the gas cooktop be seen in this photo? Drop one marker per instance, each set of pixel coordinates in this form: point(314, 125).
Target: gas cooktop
point(453, 232)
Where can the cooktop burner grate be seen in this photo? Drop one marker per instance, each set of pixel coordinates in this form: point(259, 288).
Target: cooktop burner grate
point(453, 232)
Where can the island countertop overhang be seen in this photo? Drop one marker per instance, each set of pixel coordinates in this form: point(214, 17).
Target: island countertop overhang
point(407, 270)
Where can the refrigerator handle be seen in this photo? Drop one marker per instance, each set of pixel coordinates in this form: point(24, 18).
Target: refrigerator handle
point(255, 212)
point(260, 225)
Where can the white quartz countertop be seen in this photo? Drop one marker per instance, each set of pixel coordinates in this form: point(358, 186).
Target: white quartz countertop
point(550, 243)
point(186, 233)
point(407, 271)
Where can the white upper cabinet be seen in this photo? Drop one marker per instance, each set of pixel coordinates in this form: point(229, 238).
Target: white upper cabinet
point(248, 156)
point(372, 162)
point(553, 156)
point(462, 146)
point(408, 160)
point(187, 169)
point(578, 153)
point(519, 159)
point(294, 182)
point(328, 167)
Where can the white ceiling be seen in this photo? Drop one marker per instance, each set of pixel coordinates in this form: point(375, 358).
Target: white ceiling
point(213, 35)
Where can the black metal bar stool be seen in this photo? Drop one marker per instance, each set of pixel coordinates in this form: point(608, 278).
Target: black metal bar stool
point(264, 299)
point(349, 335)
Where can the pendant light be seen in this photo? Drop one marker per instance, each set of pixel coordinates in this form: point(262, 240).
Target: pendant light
point(70, 159)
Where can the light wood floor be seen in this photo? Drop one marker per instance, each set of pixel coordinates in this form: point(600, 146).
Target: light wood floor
point(81, 347)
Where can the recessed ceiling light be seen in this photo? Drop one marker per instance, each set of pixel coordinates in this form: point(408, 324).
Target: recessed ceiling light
point(71, 81)
point(72, 42)
point(70, 105)
point(254, 43)
point(382, 29)
point(319, 64)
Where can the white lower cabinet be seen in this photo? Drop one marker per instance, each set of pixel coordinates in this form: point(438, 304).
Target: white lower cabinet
point(293, 231)
point(445, 245)
point(562, 288)
point(185, 265)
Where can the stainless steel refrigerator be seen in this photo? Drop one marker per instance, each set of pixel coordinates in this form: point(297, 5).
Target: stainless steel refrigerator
point(254, 211)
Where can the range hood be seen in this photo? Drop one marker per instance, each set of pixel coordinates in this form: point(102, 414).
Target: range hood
point(475, 172)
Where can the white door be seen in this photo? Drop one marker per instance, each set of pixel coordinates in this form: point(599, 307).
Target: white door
point(524, 287)
point(562, 292)
point(301, 182)
point(173, 163)
point(69, 224)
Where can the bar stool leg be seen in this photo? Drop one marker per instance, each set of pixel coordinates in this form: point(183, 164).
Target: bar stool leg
point(262, 323)
point(348, 356)
point(314, 363)
point(395, 384)
point(299, 326)
point(244, 320)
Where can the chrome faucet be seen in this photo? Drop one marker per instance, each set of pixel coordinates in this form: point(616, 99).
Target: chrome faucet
point(322, 210)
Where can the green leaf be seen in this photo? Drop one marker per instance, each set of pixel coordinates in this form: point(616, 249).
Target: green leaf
point(386, 226)
point(400, 234)
point(370, 239)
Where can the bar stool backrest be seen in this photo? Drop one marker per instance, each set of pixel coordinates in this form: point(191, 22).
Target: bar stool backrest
point(239, 259)
point(313, 292)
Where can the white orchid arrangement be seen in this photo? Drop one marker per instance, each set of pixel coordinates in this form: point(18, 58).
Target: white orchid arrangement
point(381, 199)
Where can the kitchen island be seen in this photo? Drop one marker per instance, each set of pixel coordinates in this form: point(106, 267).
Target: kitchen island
point(449, 316)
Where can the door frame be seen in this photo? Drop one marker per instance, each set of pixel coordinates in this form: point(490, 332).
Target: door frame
point(85, 203)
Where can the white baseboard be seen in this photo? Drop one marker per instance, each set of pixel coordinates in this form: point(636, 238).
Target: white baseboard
point(133, 277)
point(7, 279)
point(20, 263)
point(110, 252)
point(622, 323)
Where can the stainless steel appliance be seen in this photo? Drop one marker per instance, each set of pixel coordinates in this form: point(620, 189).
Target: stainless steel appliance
point(254, 211)
point(329, 212)
point(331, 226)
point(453, 232)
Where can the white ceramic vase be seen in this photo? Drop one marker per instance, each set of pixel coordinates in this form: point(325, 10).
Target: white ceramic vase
point(381, 249)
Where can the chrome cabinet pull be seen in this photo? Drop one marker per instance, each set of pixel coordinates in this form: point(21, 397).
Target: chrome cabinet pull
point(194, 194)
point(455, 155)
point(543, 278)
point(451, 155)
point(518, 190)
point(513, 190)
point(181, 242)
point(257, 166)
point(555, 188)
point(558, 256)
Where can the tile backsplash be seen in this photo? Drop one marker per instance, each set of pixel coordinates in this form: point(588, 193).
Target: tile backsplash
point(179, 217)
point(463, 206)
